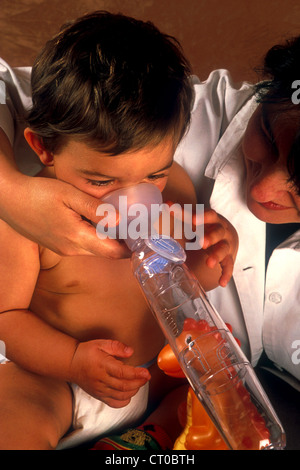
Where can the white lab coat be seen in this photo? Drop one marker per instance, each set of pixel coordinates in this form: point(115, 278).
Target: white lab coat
point(263, 308)
point(263, 316)
point(13, 109)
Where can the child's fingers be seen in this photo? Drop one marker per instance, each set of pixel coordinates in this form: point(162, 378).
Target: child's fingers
point(117, 389)
point(227, 270)
point(211, 216)
point(120, 394)
point(217, 253)
point(115, 348)
point(116, 398)
point(124, 383)
point(192, 215)
point(213, 234)
point(120, 372)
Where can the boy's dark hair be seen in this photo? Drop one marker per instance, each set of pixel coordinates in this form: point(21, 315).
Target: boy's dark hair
point(280, 70)
point(112, 81)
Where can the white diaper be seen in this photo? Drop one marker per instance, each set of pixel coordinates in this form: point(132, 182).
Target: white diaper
point(92, 417)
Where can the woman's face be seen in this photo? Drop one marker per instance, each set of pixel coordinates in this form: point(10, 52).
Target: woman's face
point(268, 139)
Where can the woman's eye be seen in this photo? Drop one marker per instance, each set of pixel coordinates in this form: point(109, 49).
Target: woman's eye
point(269, 138)
point(268, 135)
point(254, 167)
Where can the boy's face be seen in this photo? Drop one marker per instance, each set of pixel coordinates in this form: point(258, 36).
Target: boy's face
point(97, 173)
point(266, 146)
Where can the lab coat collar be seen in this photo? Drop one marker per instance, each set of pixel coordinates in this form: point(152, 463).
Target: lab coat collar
point(228, 198)
point(230, 140)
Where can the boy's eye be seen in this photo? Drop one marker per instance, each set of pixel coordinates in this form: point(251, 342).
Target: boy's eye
point(99, 182)
point(155, 177)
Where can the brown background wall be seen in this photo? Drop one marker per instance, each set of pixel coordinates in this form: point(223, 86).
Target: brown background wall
point(232, 34)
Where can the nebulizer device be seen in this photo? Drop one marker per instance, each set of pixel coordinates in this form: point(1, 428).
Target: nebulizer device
point(215, 366)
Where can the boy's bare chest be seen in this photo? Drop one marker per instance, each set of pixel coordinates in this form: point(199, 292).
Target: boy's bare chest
point(87, 293)
point(91, 298)
point(85, 275)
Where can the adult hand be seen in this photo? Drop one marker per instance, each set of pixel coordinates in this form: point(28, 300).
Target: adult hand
point(48, 211)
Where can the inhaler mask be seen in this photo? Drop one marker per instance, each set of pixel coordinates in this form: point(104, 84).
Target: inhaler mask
point(139, 208)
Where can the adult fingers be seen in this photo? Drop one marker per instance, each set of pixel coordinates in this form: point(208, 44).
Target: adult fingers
point(87, 242)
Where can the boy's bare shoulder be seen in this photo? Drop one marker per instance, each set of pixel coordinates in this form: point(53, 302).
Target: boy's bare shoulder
point(179, 188)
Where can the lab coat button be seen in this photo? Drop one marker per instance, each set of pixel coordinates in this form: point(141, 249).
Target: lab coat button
point(275, 297)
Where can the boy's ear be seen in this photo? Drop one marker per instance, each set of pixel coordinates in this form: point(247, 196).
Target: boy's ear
point(37, 145)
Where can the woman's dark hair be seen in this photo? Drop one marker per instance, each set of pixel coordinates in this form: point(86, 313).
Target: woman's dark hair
point(112, 81)
point(280, 70)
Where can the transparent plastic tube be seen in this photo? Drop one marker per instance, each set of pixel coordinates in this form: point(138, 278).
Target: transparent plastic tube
point(214, 364)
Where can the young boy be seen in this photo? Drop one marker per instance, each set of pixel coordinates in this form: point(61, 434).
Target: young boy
point(111, 101)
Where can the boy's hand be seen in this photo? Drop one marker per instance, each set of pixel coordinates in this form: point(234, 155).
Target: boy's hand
point(220, 244)
point(97, 371)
